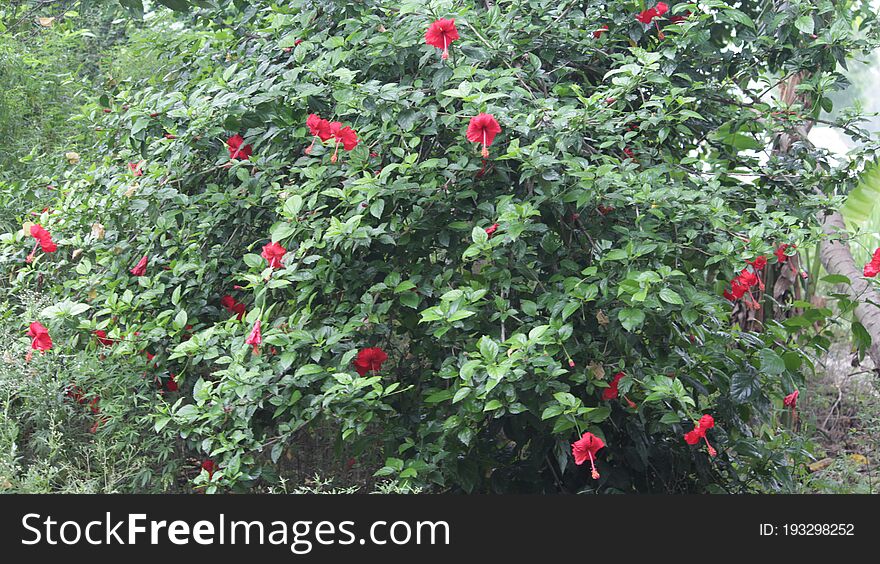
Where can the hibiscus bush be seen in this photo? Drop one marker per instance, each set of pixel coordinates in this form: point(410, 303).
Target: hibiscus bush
point(480, 246)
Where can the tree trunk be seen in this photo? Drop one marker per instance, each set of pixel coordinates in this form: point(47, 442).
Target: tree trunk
point(837, 259)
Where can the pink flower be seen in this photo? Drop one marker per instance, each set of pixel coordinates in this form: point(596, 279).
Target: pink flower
point(482, 129)
point(136, 168)
point(140, 268)
point(791, 400)
point(273, 252)
point(585, 449)
point(255, 339)
point(491, 229)
point(441, 34)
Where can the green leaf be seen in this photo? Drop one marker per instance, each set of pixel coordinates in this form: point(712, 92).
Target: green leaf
point(180, 320)
point(488, 348)
point(461, 314)
point(631, 318)
point(409, 299)
point(139, 125)
point(292, 206)
point(492, 405)
point(836, 279)
point(479, 235)
point(671, 297)
point(176, 5)
point(861, 337)
point(461, 394)
point(805, 24)
point(743, 386)
point(281, 230)
point(771, 363)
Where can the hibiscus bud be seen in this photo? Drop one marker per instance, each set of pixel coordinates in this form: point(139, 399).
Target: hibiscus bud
point(610, 101)
point(154, 114)
point(570, 363)
point(288, 49)
point(107, 110)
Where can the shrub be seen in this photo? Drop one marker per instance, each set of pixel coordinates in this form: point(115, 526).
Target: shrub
point(623, 193)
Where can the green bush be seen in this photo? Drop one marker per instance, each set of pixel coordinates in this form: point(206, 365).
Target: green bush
point(629, 185)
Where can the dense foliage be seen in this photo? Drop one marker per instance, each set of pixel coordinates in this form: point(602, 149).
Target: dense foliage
point(632, 178)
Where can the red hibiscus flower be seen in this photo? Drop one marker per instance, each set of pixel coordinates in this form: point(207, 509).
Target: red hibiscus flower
point(873, 267)
point(369, 359)
point(102, 337)
point(237, 149)
point(94, 428)
point(791, 400)
point(759, 263)
point(441, 34)
point(629, 153)
point(693, 437)
point(780, 252)
point(611, 392)
point(40, 339)
point(598, 33)
point(273, 252)
point(135, 168)
point(171, 384)
point(140, 268)
point(319, 129)
point(586, 449)
point(482, 129)
point(743, 283)
point(648, 16)
point(681, 18)
point(255, 339)
point(232, 306)
point(75, 393)
point(342, 134)
point(44, 239)
point(210, 467)
point(491, 229)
